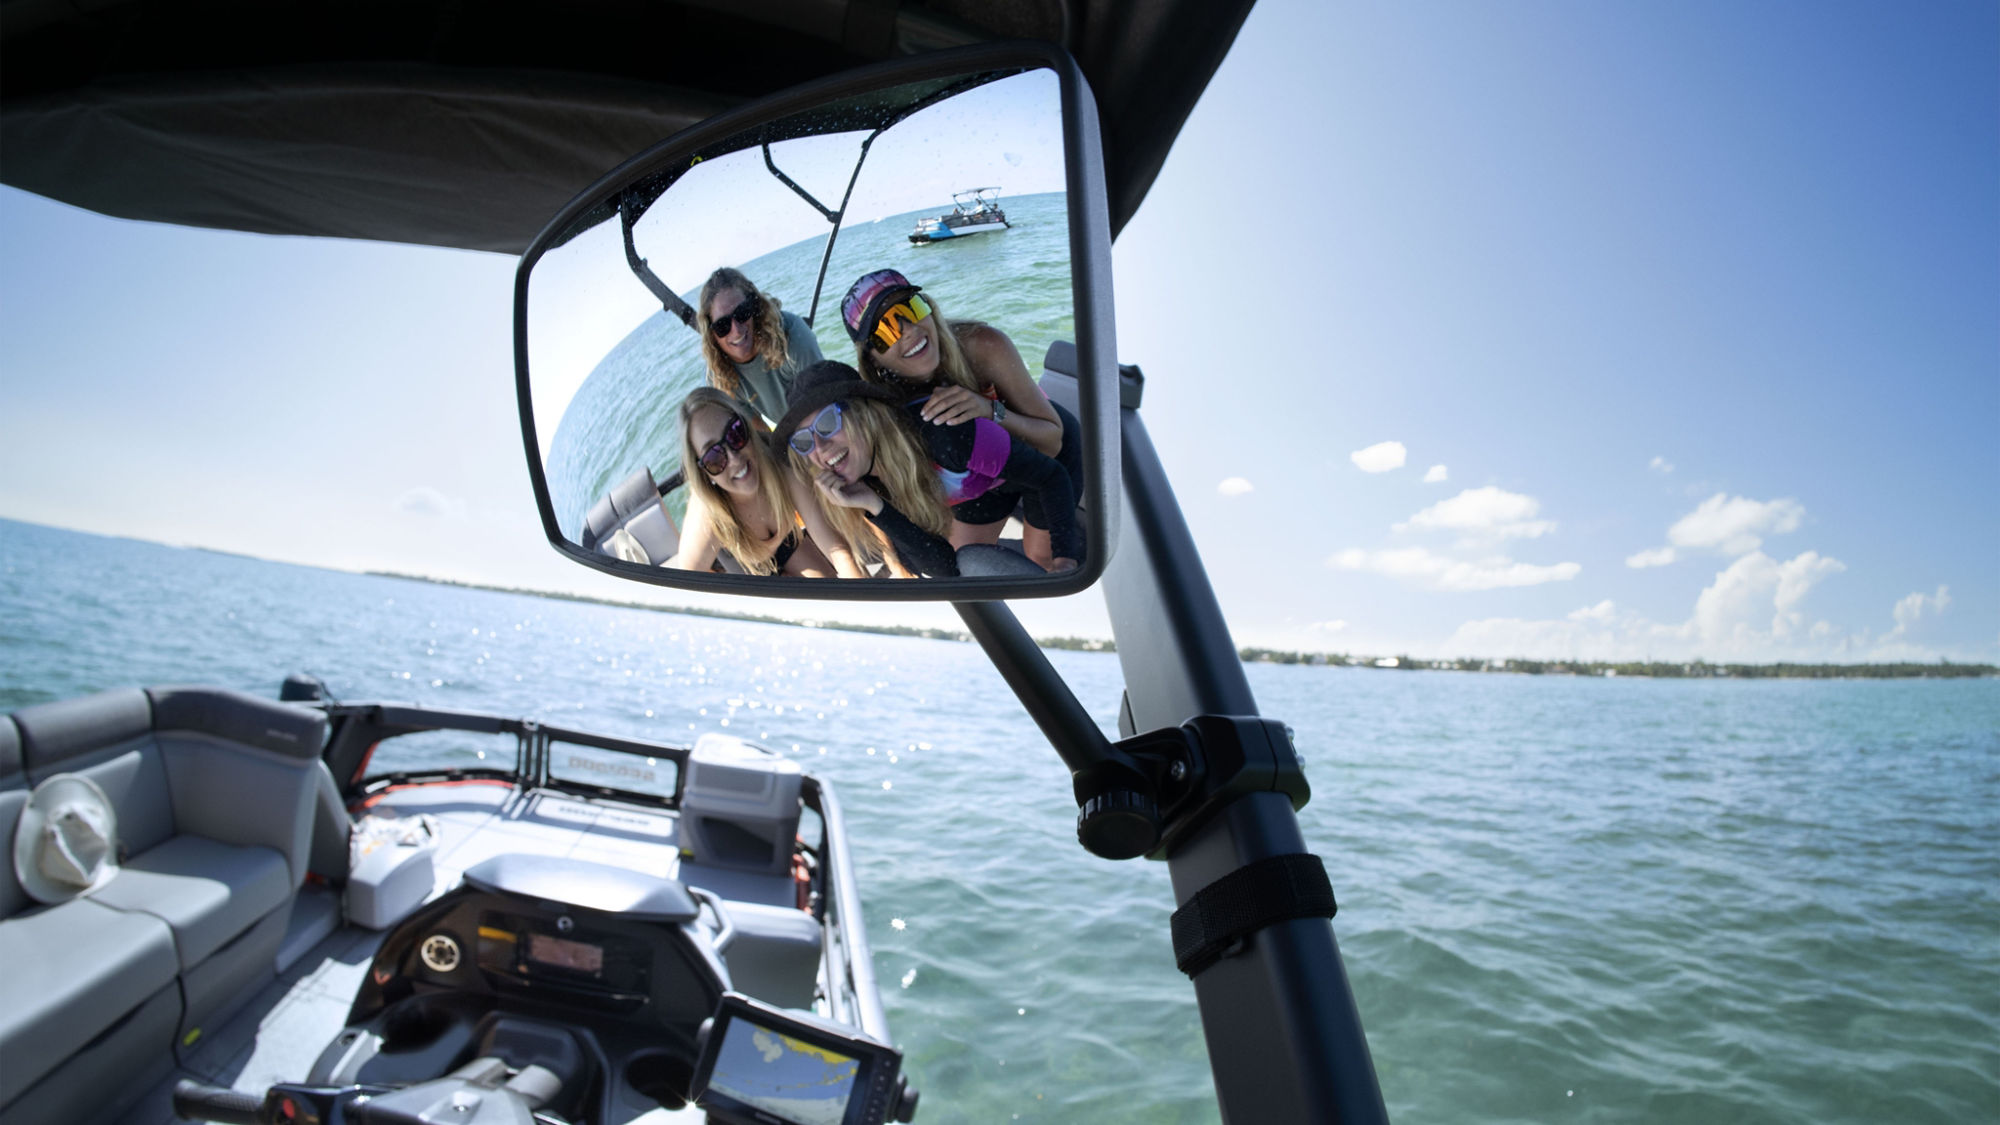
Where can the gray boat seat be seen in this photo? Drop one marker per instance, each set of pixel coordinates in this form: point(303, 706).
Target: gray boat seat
point(332, 829)
point(73, 971)
point(213, 794)
point(630, 523)
point(206, 891)
point(775, 955)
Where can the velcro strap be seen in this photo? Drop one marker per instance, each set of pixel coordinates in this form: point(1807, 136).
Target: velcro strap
point(1246, 900)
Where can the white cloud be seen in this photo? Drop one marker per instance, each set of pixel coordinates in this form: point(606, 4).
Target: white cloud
point(424, 500)
point(1437, 474)
point(1484, 513)
point(1234, 486)
point(1333, 626)
point(1661, 465)
point(1441, 572)
point(1752, 611)
point(1913, 608)
point(1380, 457)
point(1754, 601)
point(1603, 611)
point(1651, 556)
point(1735, 525)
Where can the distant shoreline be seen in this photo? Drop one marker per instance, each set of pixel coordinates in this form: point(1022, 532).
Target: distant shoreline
point(1632, 669)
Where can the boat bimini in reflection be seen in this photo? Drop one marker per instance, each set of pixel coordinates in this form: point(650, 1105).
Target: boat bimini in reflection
point(461, 938)
point(973, 211)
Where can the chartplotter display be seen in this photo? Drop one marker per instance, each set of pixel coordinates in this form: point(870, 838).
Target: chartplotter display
point(785, 1076)
point(767, 1065)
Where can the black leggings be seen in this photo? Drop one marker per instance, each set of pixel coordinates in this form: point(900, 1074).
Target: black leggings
point(999, 502)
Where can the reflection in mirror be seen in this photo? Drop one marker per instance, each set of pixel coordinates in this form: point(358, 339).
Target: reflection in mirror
point(817, 352)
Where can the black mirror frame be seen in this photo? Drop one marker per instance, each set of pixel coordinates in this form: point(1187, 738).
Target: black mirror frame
point(1090, 281)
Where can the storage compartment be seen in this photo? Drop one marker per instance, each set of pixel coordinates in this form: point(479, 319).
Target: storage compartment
point(391, 873)
point(740, 807)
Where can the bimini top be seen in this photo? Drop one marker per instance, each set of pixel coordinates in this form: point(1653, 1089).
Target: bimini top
point(431, 122)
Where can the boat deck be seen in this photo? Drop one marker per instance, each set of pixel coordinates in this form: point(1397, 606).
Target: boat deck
point(279, 1034)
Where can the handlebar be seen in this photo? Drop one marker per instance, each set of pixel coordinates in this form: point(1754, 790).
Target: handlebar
point(725, 927)
point(196, 1101)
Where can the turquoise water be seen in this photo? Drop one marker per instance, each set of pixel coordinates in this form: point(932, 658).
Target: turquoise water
point(1561, 899)
point(624, 414)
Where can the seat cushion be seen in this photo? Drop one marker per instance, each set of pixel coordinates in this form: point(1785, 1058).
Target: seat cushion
point(67, 972)
point(208, 892)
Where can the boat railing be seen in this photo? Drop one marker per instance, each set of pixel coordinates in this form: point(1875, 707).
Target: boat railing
point(544, 757)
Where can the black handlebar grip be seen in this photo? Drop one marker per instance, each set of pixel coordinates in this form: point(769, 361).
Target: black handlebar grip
point(194, 1101)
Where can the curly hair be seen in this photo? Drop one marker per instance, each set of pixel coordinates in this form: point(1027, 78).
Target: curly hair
point(767, 331)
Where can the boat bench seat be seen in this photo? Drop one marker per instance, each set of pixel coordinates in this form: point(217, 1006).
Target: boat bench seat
point(214, 797)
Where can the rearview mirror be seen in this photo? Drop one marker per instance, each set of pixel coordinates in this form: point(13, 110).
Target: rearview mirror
point(860, 330)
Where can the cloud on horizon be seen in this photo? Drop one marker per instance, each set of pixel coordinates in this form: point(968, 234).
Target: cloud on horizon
point(1753, 610)
point(1421, 567)
point(1234, 486)
point(1914, 608)
point(426, 501)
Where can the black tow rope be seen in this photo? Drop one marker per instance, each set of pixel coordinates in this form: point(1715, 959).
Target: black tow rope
point(1246, 900)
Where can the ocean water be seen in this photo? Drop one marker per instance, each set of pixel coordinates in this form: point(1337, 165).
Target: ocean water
point(625, 414)
point(1561, 899)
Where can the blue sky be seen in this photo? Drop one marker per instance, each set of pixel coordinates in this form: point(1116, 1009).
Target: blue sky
point(1698, 305)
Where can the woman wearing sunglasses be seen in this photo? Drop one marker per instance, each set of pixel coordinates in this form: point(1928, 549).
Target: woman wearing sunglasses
point(754, 348)
point(997, 438)
point(880, 491)
point(741, 500)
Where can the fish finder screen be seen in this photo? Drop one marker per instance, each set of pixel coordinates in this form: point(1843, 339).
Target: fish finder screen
point(796, 1081)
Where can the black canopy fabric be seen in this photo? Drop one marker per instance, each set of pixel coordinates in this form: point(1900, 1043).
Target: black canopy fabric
point(452, 124)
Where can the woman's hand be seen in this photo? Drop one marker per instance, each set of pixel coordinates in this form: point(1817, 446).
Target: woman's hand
point(954, 405)
point(844, 494)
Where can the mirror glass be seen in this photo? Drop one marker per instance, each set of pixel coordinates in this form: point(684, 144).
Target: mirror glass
point(816, 350)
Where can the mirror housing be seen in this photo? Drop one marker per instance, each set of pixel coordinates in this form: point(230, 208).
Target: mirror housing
point(842, 104)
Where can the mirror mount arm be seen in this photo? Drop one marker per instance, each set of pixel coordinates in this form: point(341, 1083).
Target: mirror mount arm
point(669, 300)
point(1117, 793)
point(834, 217)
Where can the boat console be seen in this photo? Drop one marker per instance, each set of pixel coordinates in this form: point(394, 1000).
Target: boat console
point(560, 990)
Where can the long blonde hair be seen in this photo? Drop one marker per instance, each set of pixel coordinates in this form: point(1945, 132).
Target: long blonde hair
point(718, 506)
point(767, 331)
point(952, 367)
point(903, 467)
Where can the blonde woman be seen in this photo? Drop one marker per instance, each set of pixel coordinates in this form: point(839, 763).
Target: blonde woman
point(741, 500)
point(881, 492)
point(998, 440)
point(753, 347)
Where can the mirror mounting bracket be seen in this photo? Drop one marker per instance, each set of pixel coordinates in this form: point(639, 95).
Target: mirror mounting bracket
point(668, 299)
point(1149, 793)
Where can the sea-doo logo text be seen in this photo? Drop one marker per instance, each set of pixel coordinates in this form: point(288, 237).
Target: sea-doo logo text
point(614, 769)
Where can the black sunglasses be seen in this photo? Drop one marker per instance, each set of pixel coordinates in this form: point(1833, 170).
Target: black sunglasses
point(736, 435)
point(745, 313)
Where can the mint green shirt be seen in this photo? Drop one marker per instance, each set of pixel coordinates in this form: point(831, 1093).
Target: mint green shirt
point(768, 392)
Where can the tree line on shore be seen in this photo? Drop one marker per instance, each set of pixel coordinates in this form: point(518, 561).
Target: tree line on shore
point(1657, 669)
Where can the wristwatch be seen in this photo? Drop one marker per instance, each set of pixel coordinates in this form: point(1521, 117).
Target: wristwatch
point(999, 411)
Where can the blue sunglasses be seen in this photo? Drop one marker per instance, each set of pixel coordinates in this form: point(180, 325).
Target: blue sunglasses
point(824, 425)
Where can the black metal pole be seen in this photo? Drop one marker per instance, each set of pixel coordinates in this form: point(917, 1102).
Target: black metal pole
point(1284, 1036)
point(1027, 670)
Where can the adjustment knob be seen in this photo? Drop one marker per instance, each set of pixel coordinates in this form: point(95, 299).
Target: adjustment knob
point(1118, 824)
